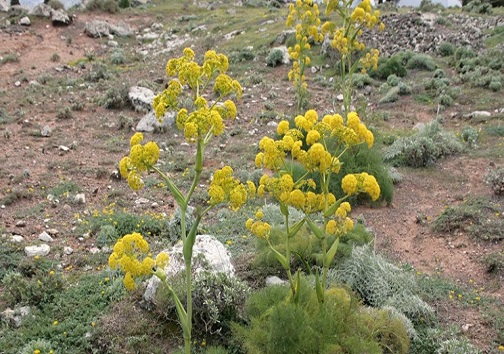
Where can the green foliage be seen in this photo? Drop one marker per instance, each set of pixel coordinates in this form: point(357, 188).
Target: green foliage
point(393, 80)
point(429, 6)
point(64, 113)
point(446, 49)
point(380, 283)
point(110, 6)
point(421, 62)
point(118, 57)
point(494, 262)
point(360, 80)
point(9, 58)
point(111, 223)
point(275, 57)
point(124, 4)
point(438, 340)
point(56, 5)
point(339, 325)
point(470, 135)
point(36, 290)
point(218, 300)
point(11, 254)
point(389, 66)
point(481, 71)
point(404, 89)
point(392, 95)
point(64, 188)
point(478, 6)
point(476, 216)
point(428, 144)
point(74, 308)
point(55, 57)
point(42, 345)
point(494, 130)
point(116, 97)
point(241, 55)
point(98, 72)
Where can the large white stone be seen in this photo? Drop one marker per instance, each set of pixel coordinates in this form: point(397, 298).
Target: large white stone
point(149, 122)
point(141, 98)
point(209, 254)
point(42, 250)
point(44, 236)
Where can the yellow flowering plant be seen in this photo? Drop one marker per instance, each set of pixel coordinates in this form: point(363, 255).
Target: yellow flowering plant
point(346, 39)
point(304, 18)
point(199, 121)
point(325, 214)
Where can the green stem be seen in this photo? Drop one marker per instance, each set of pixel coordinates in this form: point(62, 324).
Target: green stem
point(187, 338)
point(198, 168)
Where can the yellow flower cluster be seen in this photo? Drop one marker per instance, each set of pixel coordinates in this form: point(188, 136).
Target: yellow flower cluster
point(207, 117)
point(346, 38)
point(127, 256)
point(361, 182)
point(140, 159)
point(304, 17)
point(225, 188)
point(341, 224)
point(258, 227)
point(370, 60)
point(316, 157)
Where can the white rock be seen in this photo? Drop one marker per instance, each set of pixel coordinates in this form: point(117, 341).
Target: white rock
point(149, 122)
point(340, 97)
point(17, 238)
point(94, 250)
point(46, 131)
point(141, 98)
point(24, 21)
point(80, 198)
point(63, 148)
point(68, 250)
point(208, 254)
point(17, 83)
point(274, 280)
point(480, 114)
point(44, 236)
point(42, 250)
point(21, 223)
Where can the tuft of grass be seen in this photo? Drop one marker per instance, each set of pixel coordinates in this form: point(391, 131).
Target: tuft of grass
point(421, 62)
point(9, 58)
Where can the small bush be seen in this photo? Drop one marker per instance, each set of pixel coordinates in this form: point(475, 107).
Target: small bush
point(98, 72)
point(275, 57)
point(241, 56)
point(495, 179)
point(439, 74)
point(392, 95)
point(393, 80)
point(9, 58)
point(494, 262)
point(56, 5)
point(421, 62)
point(470, 135)
point(380, 283)
point(423, 148)
point(361, 80)
point(478, 6)
point(446, 49)
point(55, 57)
point(110, 6)
point(387, 67)
point(124, 4)
point(339, 325)
point(476, 216)
point(41, 346)
point(64, 113)
point(404, 89)
point(464, 53)
point(118, 57)
point(116, 97)
point(429, 6)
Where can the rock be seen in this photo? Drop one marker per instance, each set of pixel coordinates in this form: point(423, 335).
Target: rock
point(17, 83)
point(274, 280)
point(63, 148)
point(52, 232)
point(21, 223)
point(42, 10)
point(44, 236)
point(60, 18)
point(80, 198)
point(141, 98)
point(480, 114)
point(233, 34)
point(149, 122)
point(68, 250)
point(98, 28)
point(94, 250)
point(148, 37)
point(17, 238)
point(4, 5)
point(208, 255)
point(16, 316)
point(42, 250)
point(24, 21)
point(112, 44)
point(46, 131)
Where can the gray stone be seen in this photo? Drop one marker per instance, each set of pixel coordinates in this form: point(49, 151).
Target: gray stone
point(97, 28)
point(24, 21)
point(481, 114)
point(136, 3)
point(4, 5)
point(46, 131)
point(44, 236)
point(141, 98)
point(42, 250)
point(94, 250)
point(149, 122)
point(148, 37)
point(121, 29)
point(21, 223)
point(68, 250)
point(208, 255)
point(80, 198)
point(274, 280)
point(60, 17)
point(42, 10)
point(112, 43)
point(17, 238)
